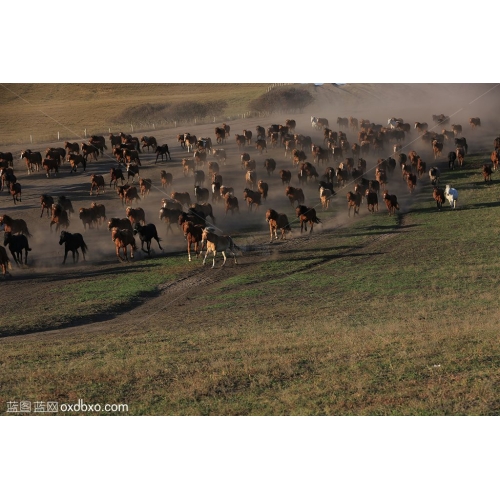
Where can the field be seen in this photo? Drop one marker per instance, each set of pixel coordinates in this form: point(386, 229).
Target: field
point(368, 315)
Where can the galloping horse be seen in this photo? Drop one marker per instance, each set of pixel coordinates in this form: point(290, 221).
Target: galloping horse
point(216, 243)
point(72, 241)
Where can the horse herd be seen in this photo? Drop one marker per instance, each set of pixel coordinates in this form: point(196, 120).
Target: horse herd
point(192, 220)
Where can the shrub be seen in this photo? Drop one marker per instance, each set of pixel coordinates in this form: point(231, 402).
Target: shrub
point(282, 99)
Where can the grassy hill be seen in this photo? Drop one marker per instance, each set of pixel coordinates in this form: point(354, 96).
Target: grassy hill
point(42, 110)
point(369, 315)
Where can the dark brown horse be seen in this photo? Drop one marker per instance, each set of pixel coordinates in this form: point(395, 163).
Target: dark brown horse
point(14, 225)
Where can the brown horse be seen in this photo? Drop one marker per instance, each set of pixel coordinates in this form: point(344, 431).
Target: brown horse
point(123, 238)
point(46, 202)
point(14, 226)
point(15, 191)
point(277, 221)
point(147, 142)
point(32, 158)
point(193, 234)
point(59, 217)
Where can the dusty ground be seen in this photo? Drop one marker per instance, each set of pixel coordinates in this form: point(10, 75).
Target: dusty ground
point(45, 273)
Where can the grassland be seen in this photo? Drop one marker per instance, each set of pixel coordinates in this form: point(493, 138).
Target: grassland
point(43, 110)
point(388, 316)
point(374, 316)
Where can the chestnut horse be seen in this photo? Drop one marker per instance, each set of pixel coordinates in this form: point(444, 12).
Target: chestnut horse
point(193, 234)
point(122, 238)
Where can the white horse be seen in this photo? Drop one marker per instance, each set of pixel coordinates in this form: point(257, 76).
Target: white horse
point(394, 122)
point(451, 195)
point(314, 122)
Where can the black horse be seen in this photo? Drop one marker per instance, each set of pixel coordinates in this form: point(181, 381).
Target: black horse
point(17, 243)
point(162, 151)
point(146, 234)
point(72, 242)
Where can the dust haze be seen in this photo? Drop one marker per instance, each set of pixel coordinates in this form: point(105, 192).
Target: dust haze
point(374, 102)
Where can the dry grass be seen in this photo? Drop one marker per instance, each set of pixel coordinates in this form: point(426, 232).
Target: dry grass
point(382, 316)
point(42, 110)
point(348, 327)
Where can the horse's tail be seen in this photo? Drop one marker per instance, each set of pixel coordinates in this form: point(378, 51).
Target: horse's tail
point(317, 220)
point(84, 248)
point(233, 245)
point(27, 233)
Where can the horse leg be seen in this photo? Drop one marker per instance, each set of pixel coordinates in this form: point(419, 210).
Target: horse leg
point(158, 241)
point(118, 253)
point(206, 253)
point(224, 256)
point(215, 252)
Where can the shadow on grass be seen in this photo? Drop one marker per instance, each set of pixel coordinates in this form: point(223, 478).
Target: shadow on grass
point(111, 313)
point(474, 206)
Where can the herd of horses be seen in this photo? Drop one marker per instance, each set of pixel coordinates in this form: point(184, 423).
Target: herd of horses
point(192, 218)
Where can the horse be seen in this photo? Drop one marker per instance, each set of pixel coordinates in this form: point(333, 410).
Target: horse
point(32, 158)
point(14, 225)
point(46, 202)
point(277, 221)
point(305, 215)
point(162, 151)
point(115, 175)
point(146, 234)
point(59, 217)
point(193, 234)
point(15, 191)
point(216, 243)
point(4, 261)
point(394, 122)
point(147, 142)
point(72, 242)
point(451, 195)
point(17, 243)
point(122, 238)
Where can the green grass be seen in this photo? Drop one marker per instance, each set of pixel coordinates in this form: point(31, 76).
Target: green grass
point(403, 325)
point(387, 316)
point(83, 299)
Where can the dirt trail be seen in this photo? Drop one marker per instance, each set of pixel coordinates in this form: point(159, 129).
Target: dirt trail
point(250, 230)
